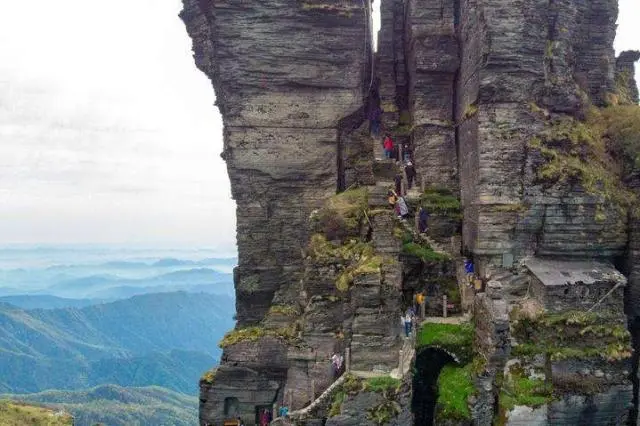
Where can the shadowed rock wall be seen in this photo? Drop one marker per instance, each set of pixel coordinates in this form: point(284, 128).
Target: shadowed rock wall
point(520, 62)
point(287, 73)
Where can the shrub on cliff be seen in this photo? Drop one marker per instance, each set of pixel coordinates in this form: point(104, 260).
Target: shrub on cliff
point(591, 153)
point(342, 214)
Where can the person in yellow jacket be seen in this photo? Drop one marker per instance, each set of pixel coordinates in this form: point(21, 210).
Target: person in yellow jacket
point(420, 299)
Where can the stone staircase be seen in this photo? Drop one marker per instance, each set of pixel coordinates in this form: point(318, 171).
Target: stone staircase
point(304, 412)
point(424, 238)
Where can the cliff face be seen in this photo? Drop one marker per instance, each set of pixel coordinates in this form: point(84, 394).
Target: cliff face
point(499, 104)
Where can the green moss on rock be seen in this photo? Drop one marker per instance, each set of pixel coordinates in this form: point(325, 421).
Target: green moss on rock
point(455, 338)
point(455, 386)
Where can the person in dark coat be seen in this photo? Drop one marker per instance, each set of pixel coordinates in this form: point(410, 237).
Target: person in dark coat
point(423, 218)
point(411, 174)
point(374, 120)
point(397, 179)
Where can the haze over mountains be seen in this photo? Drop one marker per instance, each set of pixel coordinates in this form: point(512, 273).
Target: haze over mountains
point(125, 321)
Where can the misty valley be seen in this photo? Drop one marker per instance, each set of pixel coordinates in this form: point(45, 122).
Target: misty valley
point(113, 337)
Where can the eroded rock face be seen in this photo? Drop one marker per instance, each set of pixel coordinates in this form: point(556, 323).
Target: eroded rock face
point(478, 89)
point(287, 74)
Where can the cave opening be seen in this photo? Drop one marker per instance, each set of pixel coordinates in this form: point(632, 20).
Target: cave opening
point(428, 365)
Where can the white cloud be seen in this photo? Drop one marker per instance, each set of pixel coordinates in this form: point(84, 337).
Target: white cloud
point(108, 131)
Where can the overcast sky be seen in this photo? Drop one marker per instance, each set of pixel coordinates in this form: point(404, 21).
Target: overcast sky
point(108, 132)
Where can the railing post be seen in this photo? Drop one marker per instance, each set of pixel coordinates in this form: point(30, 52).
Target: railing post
point(422, 310)
point(313, 390)
point(444, 306)
point(401, 362)
point(401, 152)
point(291, 398)
point(347, 359)
point(423, 184)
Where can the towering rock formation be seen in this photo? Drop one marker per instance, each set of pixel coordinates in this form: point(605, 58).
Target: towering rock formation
point(498, 102)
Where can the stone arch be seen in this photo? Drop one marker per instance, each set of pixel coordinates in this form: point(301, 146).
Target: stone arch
point(429, 362)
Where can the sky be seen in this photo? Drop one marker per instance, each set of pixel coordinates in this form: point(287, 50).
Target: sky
point(108, 133)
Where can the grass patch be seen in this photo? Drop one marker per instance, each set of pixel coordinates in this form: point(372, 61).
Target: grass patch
point(342, 214)
point(455, 338)
point(336, 403)
point(518, 389)
point(209, 376)
point(382, 413)
point(383, 384)
point(441, 201)
point(424, 252)
point(455, 386)
point(571, 335)
point(254, 333)
point(593, 152)
point(286, 310)
point(358, 258)
point(469, 111)
point(19, 414)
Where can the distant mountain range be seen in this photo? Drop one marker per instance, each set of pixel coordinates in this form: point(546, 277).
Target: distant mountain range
point(116, 406)
point(165, 339)
point(108, 285)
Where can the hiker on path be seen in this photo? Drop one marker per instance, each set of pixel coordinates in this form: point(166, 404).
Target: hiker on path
point(283, 411)
point(406, 321)
point(392, 197)
point(423, 218)
point(406, 153)
point(388, 147)
point(374, 120)
point(469, 270)
point(336, 364)
point(410, 170)
point(420, 299)
point(397, 179)
point(403, 209)
point(264, 418)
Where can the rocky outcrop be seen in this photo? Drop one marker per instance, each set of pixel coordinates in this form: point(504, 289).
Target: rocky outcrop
point(625, 76)
point(290, 79)
point(497, 103)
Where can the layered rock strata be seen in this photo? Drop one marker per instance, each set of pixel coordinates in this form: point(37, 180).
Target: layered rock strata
point(290, 79)
point(495, 100)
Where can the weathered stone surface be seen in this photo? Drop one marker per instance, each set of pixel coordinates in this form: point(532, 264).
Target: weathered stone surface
point(579, 285)
point(625, 74)
point(467, 84)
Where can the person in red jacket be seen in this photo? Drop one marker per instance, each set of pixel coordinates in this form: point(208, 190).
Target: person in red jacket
point(388, 146)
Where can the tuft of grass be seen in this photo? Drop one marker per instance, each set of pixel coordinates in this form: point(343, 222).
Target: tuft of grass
point(441, 201)
point(593, 152)
point(382, 413)
point(469, 111)
point(518, 389)
point(342, 214)
point(359, 258)
point(286, 310)
point(254, 333)
point(383, 384)
point(209, 376)
point(424, 252)
point(455, 338)
point(336, 403)
point(19, 414)
point(455, 386)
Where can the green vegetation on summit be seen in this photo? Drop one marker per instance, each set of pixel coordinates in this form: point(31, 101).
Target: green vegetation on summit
point(116, 406)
